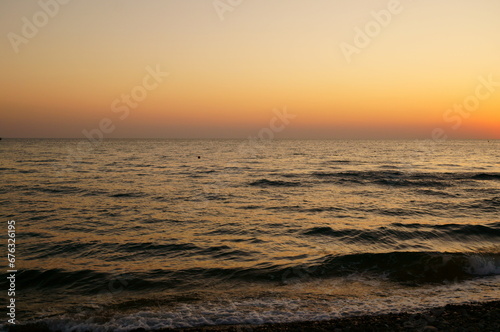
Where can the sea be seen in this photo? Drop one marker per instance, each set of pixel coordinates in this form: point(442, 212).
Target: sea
point(122, 234)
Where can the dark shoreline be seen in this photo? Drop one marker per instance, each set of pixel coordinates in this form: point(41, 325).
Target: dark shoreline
point(480, 317)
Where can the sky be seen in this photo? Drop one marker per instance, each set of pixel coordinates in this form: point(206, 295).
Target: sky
point(225, 68)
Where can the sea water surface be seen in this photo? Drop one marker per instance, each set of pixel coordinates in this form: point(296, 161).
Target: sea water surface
point(143, 233)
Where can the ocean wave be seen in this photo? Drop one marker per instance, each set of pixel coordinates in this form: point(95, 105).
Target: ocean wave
point(340, 161)
point(80, 280)
point(415, 267)
point(431, 192)
point(127, 195)
point(411, 268)
point(58, 189)
point(403, 179)
point(88, 282)
point(486, 176)
point(417, 209)
point(400, 232)
point(274, 183)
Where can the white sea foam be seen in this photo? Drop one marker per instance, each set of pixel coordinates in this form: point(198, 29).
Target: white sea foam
point(482, 265)
point(276, 310)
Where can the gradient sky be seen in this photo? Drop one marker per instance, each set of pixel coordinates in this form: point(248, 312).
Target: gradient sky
point(226, 76)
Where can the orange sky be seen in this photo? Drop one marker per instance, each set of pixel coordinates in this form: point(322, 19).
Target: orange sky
point(225, 76)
